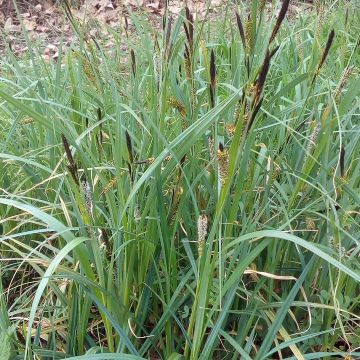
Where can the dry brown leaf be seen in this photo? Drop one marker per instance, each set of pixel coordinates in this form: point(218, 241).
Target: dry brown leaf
point(29, 24)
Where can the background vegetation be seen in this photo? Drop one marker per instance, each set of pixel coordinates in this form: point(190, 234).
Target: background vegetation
point(191, 192)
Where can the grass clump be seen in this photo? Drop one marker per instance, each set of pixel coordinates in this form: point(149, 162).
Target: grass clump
point(192, 193)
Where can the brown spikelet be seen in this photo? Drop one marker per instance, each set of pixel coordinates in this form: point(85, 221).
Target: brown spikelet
point(274, 51)
point(189, 28)
point(241, 29)
point(279, 20)
point(260, 82)
point(167, 38)
point(327, 48)
point(177, 105)
point(27, 121)
point(126, 27)
point(190, 19)
point(133, 62)
point(254, 113)
point(164, 18)
point(188, 70)
point(230, 128)
point(342, 161)
point(112, 183)
point(264, 71)
point(129, 147)
point(325, 53)
point(101, 134)
point(72, 165)
point(182, 161)
point(212, 69)
point(212, 97)
point(212, 78)
point(131, 174)
point(310, 223)
point(99, 115)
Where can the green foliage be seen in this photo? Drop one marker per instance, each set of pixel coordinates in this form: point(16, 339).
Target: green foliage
point(189, 193)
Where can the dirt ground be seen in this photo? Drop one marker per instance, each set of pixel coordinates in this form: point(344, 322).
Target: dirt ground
point(46, 24)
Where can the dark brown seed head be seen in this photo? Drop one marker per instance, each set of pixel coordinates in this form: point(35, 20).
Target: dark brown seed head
point(221, 147)
point(327, 48)
point(212, 78)
point(99, 114)
point(254, 113)
point(126, 25)
point(72, 165)
point(130, 172)
point(187, 53)
point(189, 27)
point(241, 29)
point(342, 161)
point(325, 53)
point(212, 70)
point(67, 148)
point(274, 51)
point(279, 20)
point(167, 37)
point(129, 146)
point(264, 71)
point(133, 62)
point(182, 161)
point(261, 79)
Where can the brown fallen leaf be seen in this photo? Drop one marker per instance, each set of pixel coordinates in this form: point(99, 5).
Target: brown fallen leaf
point(29, 24)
